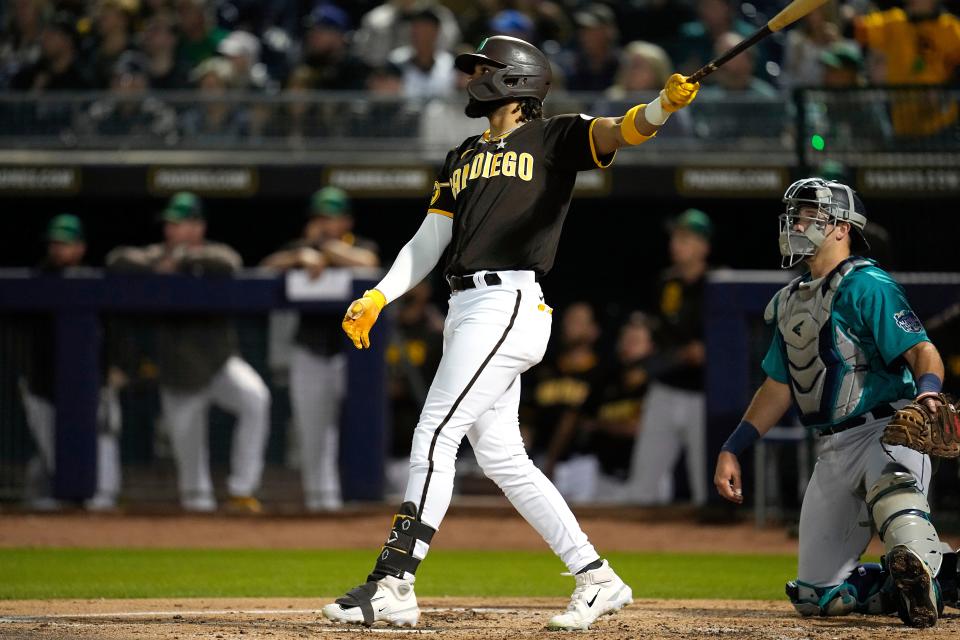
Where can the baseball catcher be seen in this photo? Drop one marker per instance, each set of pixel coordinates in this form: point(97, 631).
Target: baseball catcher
point(849, 353)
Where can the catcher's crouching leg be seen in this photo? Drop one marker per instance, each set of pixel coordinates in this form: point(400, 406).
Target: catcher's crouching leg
point(867, 590)
point(914, 553)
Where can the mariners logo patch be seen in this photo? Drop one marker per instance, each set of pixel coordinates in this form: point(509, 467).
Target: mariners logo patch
point(908, 321)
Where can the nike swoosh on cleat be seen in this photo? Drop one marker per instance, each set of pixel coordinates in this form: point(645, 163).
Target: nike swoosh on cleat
point(590, 602)
point(380, 610)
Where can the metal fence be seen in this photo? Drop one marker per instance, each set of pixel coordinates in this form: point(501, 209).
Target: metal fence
point(798, 128)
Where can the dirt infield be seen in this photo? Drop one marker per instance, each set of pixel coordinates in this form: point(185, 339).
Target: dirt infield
point(622, 531)
point(452, 618)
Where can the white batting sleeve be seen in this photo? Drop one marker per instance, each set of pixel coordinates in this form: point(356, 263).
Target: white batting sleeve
point(418, 257)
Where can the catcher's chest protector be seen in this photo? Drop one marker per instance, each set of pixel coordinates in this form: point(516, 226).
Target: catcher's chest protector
point(827, 366)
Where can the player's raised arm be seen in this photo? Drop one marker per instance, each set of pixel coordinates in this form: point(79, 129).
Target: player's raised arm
point(769, 404)
point(643, 121)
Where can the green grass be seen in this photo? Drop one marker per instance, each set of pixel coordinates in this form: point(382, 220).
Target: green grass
point(158, 573)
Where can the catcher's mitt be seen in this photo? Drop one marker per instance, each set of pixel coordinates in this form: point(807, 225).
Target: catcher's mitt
point(936, 434)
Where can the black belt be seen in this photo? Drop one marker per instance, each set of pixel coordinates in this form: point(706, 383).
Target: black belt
point(462, 283)
point(881, 411)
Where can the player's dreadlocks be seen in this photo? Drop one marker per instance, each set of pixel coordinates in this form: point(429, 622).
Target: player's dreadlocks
point(530, 109)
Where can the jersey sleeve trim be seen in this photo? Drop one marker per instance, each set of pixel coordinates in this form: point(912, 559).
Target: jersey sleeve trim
point(593, 148)
point(441, 212)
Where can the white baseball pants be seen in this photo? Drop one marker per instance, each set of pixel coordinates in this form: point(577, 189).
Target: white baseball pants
point(492, 334)
point(41, 418)
point(239, 389)
point(317, 385)
point(673, 420)
point(835, 526)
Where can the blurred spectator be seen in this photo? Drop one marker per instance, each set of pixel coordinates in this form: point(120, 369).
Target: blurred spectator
point(805, 42)
point(20, 37)
point(384, 115)
point(413, 356)
point(674, 417)
point(427, 69)
point(611, 413)
point(199, 364)
point(846, 120)
point(112, 19)
point(736, 76)
point(735, 81)
point(387, 27)
point(299, 116)
point(697, 43)
point(442, 124)
point(217, 119)
point(242, 49)
point(644, 66)
point(318, 365)
point(552, 399)
point(66, 249)
point(918, 45)
point(841, 66)
point(644, 69)
point(58, 68)
point(158, 41)
point(129, 113)
point(199, 36)
point(326, 52)
point(512, 23)
point(593, 65)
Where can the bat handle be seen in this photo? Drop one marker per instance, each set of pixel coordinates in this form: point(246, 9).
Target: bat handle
point(702, 73)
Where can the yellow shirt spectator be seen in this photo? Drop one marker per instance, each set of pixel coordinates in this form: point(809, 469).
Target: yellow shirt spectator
point(916, 51)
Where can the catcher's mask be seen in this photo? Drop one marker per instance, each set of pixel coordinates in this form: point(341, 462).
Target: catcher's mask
point(520, 71)
point(834, 202)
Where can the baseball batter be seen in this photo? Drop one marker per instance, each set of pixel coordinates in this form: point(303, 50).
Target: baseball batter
point(498, 205)
point(847, 351)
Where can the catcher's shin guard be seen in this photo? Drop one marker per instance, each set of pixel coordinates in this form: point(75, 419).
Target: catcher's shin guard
point(406, 545)
point(901, 515)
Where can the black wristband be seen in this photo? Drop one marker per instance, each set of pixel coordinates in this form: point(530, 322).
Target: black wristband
point(742, 437)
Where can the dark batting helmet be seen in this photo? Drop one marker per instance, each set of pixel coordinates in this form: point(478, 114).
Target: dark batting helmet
point(522, 71)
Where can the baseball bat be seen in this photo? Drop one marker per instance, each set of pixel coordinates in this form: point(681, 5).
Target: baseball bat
point(790, 14)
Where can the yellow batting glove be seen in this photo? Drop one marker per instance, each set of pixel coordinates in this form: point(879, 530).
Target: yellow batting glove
point(678, 93)
point(359, 318)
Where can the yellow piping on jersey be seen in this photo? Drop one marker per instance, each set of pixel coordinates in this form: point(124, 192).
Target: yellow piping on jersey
point(441, 212)
point(593, 147)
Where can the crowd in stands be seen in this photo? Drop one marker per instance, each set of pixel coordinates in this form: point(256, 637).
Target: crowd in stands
point(404, 50)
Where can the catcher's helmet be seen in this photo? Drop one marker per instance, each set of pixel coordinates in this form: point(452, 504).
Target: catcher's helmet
point(835, 202)
point(522, 71)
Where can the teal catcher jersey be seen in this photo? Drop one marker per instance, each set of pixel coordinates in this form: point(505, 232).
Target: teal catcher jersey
point(838, 340)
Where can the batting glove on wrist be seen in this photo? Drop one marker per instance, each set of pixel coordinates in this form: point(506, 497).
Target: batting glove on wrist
point(360, 317)
point(678, 93)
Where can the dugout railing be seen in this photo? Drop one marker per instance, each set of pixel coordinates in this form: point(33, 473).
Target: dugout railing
point(78, 304)
point(887, 142)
